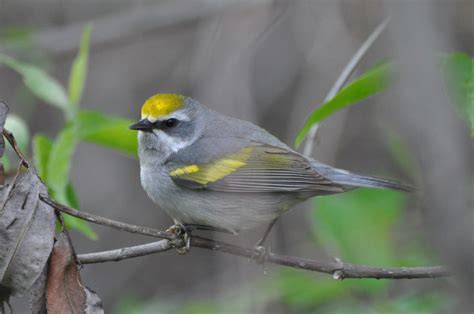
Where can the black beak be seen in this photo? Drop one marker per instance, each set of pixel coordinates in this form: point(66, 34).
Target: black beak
point(142, 125)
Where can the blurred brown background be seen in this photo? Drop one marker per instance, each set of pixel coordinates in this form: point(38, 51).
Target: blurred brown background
point(270, 62)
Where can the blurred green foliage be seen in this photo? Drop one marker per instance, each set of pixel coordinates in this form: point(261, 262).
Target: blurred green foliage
point(53, 158)
point(458, 70)
point(40, 83)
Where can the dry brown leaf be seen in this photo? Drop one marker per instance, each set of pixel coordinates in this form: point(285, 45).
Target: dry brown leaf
point(26, 234)
point(65, 292)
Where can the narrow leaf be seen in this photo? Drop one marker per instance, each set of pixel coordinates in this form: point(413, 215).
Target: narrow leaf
point(77, 76)
point(57, 174)
point(368, 84)
point(40, 83)
point(80, 225)
point(112, 132)
point(59, 163)
point(41, 149)
point(73, 222)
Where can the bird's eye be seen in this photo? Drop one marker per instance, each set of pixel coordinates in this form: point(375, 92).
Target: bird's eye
point(171, 123)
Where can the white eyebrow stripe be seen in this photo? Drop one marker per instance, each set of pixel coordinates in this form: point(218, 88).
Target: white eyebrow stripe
point(181, 116)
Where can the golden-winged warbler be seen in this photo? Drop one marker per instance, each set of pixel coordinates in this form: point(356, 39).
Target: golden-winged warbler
point(207, 169)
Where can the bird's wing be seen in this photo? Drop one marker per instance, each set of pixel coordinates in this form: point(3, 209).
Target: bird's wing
point(255, 167)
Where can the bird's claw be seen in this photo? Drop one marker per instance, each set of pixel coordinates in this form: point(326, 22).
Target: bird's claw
point(260, 254)
point(176, 230)
point(181, 239)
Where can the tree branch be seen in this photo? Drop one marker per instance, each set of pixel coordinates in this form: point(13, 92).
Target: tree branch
point(342, 79)
point(126, 252)
point(337, 268)
point(11, 139)
point(105, 221)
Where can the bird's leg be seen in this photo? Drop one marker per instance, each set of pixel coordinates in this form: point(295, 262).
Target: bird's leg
point(266, 233)
point(260, 250)
point(179, 232)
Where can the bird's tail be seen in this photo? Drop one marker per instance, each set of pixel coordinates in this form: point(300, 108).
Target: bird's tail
point(355, 180)
point(351, 180)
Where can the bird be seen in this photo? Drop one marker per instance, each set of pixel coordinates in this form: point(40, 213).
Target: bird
point(209, 170)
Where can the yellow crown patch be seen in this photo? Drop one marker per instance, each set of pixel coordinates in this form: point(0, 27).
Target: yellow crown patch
point(161, 105)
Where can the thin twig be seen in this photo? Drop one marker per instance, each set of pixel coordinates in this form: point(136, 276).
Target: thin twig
point(338, 269)
point(126, 252)
point(342, 79)
point(105, 221)
point(11, 139)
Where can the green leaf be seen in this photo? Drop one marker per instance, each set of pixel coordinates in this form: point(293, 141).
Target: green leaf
point(40, 83)
point(71, 196)
point(356, 227)
point(79, 225)
point(77, 76)
point(59, 164)
point(73, 222)
point(20, 130)
point(41, 150)
point(112, 132)
point(368, 84)
point(458, 70)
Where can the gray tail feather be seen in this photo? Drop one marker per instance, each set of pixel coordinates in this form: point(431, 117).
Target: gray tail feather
point(354, 180)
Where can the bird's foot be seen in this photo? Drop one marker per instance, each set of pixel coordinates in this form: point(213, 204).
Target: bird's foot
point(260, 254)
point(180, 238)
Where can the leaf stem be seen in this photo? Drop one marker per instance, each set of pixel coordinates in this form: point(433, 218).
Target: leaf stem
point(342, 79)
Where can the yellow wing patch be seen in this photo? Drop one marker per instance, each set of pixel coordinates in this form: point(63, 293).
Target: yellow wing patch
point(184, 170)
point(215, 170)
point(161, 105)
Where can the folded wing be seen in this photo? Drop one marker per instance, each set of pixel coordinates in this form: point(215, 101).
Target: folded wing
point(254, 168)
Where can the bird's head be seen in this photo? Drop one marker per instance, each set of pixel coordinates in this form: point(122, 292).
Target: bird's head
point(168, 123)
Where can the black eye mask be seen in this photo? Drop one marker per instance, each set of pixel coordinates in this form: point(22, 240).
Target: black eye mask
point(146, 126)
